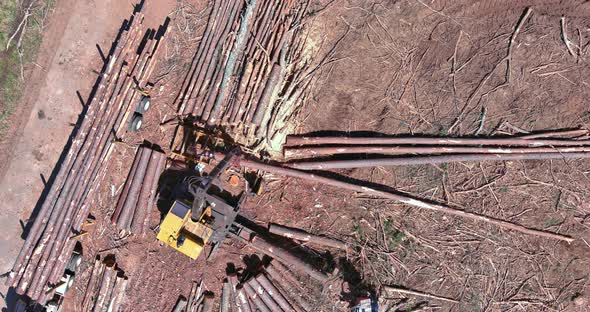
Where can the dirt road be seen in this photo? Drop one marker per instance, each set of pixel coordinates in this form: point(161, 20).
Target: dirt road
point(50, 106)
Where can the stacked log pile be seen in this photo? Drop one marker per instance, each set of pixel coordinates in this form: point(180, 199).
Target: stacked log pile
point(238, 77)
point(276, 288)
point(137, 199)
point(52, 237)
point(430, 150)
point(282, 254)
point(106, 287)
point(198, 301)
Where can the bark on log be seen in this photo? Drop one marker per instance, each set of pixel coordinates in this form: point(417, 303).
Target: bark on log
point(283, 255)
point(243, 300)
point(309, 152)
point(305, 236)
point(105, 285)
point(180, 305)
point(92, 284)
point(131, 200)
point(233, 57)
point(206, 44)
point(225, 297)
point(118, 294)
point(403, 199)
point(125, 191)
point(64, 171)
point(264, 295)
point(255, 298)
point(291, 289)
point(154, 188)
point(146, 190)
point(303, 140)
point(423, 160)
point(274, 292)
point(240, 300)
point(207, 305)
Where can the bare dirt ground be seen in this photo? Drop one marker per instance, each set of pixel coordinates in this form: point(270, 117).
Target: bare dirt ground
point(414, 67)
point(402, 67)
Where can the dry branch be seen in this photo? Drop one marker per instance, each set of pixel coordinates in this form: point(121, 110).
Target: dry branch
point(308, 152)
point(305, 237)
point(416, 293)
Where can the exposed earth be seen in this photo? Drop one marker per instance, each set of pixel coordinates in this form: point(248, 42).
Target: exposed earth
point(412, 67)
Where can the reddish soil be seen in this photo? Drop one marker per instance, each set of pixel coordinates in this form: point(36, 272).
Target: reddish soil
point(411, 67)
point(403, 67)
point(393, 69)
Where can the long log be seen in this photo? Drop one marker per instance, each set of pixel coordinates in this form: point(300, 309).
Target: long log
point(274, 293)
point(59, 209)
point(290, 288)
point(244, 67)
point(423, 160)
point(253, 295)
point(118, 294)
point(308, 152)
point(58, 226)
point(82, 185)
point(213, 90)
point(92, 184)
point(267, 91)
point(188, 83)
point(304, 140)
point(403, 199)
point(218, 11)
point(63, 172)
point(250, 63)
point(225, 297)
point(154, 188)
point(77, 195)
point(305, 236)
point(217, 61)
point(233, 57)
point(105, 286)
point(212, 53)
point(90, 177)
point(145, 192)
point(285, 256)
point(264, 295)
point(240, 300)
point(125, 191)
point(92, 284)
point(555, 133)
point(285, 271)
point(131, 200)
point(243, 301)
